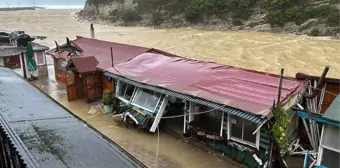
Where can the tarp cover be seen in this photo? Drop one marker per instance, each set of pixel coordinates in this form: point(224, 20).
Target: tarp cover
point(247, 90)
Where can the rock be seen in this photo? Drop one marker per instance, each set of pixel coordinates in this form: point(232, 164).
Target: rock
point(290, 27)
point(308, 23)
point(263, 28)
point(236, 28)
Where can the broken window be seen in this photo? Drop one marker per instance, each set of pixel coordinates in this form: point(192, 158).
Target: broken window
point(125, 91)
point(146, 99)
point(241, 130)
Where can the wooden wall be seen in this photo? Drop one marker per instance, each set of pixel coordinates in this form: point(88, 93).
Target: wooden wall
point(60, 76)
point(107, 85)
point(333, 88)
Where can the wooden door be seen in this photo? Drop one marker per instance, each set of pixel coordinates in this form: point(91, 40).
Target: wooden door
point(71, 87)
point(93, 85)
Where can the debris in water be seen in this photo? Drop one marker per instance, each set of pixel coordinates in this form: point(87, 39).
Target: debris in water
point(94, 110)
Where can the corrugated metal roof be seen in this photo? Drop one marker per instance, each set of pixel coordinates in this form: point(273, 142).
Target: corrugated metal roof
point(9, 50)
point(240, 88)
point(101, 51)
point(229, 110)
point(85, 64)
point(333, 111)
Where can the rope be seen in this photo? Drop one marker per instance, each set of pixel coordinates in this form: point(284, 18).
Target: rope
point(321, 90)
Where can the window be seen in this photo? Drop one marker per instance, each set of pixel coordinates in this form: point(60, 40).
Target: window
point(39, 57)
point(125, 91)
point(241, 130)
point(330, 147)
point(330, 159)
point(146, 99)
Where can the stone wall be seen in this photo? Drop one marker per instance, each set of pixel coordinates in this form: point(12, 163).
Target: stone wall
point(42, 70)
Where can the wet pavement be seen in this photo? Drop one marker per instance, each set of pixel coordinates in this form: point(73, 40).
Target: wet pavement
point(49, 134)
point(173, 152)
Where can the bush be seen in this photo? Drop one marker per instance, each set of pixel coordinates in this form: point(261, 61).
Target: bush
point(321, 11)
point(193, 16)
point(333, 18)
point(131, 16)
point(157, 18)
point(237, 22)
point(107, 97)
point(314, 32)
point(334, 1)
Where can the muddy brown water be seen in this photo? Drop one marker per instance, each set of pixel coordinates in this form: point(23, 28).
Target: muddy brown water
point(267, 52)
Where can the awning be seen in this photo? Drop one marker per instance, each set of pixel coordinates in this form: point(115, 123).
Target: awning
point(226, 109)
point(85, 64)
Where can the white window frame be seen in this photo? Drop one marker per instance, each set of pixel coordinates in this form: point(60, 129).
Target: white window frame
point(36, 57)
point(122, 98)
point(255, 145)
point(150, 110)
point(321, 147)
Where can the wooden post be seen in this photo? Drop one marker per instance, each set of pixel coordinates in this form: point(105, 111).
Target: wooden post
point(112, 56)
point(23, 65)
point(280, 87)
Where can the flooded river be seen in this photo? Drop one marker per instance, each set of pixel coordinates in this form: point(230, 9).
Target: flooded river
point(258, 51)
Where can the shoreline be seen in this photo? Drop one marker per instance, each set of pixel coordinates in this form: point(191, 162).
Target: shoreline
point(198, 27)
point(20, 8)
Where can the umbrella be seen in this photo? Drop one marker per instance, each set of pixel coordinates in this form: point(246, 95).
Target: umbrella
point(32, 66)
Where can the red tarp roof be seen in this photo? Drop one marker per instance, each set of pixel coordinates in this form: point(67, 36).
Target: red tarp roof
point(101, 51)
point(85, 64)
point(243, 89)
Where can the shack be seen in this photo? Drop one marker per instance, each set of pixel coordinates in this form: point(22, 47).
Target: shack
point(13, 53)
point(224, 106)
point(79, 64)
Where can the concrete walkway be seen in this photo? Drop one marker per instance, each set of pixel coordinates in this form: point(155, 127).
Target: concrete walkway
point(173, 152)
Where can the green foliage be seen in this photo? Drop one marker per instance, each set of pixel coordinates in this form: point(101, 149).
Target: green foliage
point(107, 97)
point(131, 16)
point(334, 1)
point(280, 126)
point(321, 11)
point(333, 18)
point(279, 12)
point(157, 18)
point(314, 32)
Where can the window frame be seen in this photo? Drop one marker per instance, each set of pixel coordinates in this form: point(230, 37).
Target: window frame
point(134, 98)
point(322, 147)
point(257, 141)
point(122, 98)
point(36, 58)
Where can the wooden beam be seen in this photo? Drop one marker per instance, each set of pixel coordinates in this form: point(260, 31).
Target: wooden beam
point(280, 87)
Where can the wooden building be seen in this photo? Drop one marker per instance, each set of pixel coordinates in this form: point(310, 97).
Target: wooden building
point(80, 63)
point(13, 53)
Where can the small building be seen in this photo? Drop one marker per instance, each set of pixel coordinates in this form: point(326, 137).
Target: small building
point(13, 53)
point(80, 63)
point(223, 106)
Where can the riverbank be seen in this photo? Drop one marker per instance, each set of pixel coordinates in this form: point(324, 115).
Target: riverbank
point(21, 8)
point(261, 51)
